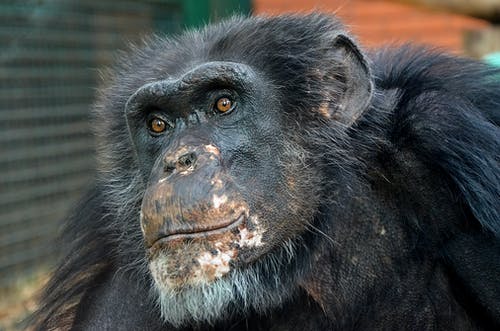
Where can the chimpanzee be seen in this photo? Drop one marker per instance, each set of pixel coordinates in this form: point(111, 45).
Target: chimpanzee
point(264, 173)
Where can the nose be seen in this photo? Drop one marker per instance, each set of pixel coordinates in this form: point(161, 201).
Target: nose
point(188, 158)
point(190, 192)
point(184, 163)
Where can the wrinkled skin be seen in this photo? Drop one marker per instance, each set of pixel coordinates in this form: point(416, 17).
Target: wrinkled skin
point(204, 210)
point(336, 191)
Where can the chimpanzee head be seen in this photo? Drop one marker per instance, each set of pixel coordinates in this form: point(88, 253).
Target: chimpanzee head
point(223, 129)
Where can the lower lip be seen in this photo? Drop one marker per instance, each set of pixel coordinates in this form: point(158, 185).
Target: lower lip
point(200, 234)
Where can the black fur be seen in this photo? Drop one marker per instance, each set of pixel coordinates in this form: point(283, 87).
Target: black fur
point(406, 234)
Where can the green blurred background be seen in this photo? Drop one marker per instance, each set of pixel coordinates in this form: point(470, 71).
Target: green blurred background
point(50, 54)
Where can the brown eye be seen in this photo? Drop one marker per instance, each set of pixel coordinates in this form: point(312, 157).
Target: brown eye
point(157, 125)
point(224, 104)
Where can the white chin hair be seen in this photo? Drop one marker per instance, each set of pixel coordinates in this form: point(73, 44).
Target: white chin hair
point(203, 303)
point(237, 292)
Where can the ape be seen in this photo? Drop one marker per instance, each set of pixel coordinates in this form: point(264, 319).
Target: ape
point(265, 174)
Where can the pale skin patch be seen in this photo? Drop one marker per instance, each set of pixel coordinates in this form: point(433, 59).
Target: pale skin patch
point(217, 200)
point(212, 149)
point(216, 264)
point(204, 261)
point(213, 265)
point(324, 110)
point(251, 238)
point(217, 183)
point(186, 172)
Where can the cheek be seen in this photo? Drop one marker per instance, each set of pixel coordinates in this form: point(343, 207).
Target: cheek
point(255, 165)
point(280, 202)
point(285, 195)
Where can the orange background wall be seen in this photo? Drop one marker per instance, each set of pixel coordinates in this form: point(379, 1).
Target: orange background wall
point(379, 22)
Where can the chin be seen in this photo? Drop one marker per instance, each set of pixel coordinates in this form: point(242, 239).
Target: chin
point(203, 281)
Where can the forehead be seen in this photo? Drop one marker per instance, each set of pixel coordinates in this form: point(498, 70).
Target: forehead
point(257, 41)
point(283, 51)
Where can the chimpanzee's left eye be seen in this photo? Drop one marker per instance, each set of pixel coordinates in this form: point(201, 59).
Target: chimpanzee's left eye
point(224, 105)
point(157, 125)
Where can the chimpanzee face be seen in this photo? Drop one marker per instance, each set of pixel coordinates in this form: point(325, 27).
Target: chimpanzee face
point(210, 144)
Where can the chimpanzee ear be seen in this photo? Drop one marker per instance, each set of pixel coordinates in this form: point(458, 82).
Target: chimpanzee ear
point(357, 81)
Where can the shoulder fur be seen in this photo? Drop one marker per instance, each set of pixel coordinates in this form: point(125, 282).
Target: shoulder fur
point(448, 111)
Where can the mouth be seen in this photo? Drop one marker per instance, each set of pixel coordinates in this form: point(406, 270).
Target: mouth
point(223, 227)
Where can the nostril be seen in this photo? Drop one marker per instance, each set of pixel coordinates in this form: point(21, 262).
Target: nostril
point(186, 161)
point(169, 167)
